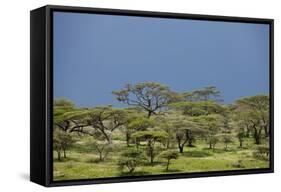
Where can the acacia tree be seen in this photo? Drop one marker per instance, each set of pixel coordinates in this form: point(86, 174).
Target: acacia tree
point(137, 124)
point(169, 155)
point(241, 137)
point(60, 108)
point(151, 137)
point(62, 141)
point(198, 108)
point(104, 120)
point(186, 130)
point(149, 96)
point(255, 110)
point(130, 159)
point(226, 139)
point(212, 124)
point(102, 148)
point(207, 93)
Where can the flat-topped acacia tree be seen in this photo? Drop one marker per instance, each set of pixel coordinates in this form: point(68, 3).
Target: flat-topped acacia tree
point(99, 120)
point(151, 137)
point(255, 113)
point(149, 96)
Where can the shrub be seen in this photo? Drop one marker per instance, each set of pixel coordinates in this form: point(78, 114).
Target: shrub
point(261, 152)
point(168, 155)
point(130, 159)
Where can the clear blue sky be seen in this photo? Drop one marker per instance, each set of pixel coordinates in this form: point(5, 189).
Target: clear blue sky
point(96, 54)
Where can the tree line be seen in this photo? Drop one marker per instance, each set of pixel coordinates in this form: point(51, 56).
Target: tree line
point(157, 119)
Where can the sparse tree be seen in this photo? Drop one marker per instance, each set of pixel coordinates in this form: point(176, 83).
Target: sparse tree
point(151, 137)
point(185, 130)
point(192, 108)
point(169, 155)
point(149, 96)
point(137, 124)
point(226, 139)
point(130, 159)
point(207, 93)
point(241, 137)
point(102, 148)
point(255, 110)
point(62, 141)
point(212, 124)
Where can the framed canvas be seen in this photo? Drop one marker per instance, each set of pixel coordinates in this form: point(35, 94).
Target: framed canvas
point(123, 95)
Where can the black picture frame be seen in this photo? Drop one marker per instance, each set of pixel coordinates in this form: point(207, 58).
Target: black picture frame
point(41, 42)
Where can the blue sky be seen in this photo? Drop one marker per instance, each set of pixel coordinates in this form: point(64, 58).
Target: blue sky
point(96, 54)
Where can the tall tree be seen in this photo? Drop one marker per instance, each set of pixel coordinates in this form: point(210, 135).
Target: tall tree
point(106, 120)
point(149, 96)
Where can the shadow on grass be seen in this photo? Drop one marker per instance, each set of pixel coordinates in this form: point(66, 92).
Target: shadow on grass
point(220, 150)
point(67, 159)
point(153, 164)
point(172, 171)
point(136, 173)
point(197, 153)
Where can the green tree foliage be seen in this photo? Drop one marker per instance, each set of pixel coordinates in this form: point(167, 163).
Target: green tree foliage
point(241, 137)
point(151, 137)
point(213, 125)
point(62, 106)
point(198, 108)
point(63, 103)
point(102, 148)
point(106, 120)
point(137, 124)
point(226, 139)
point(210, 93)
point(130, 159)
point(169, 155)
point(149, 96)
point(261, 152)
point(185, 131)
point(183, 120)
point(255, 112)
point(62, 141)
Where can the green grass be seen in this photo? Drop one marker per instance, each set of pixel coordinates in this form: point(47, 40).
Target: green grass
point(82, 162)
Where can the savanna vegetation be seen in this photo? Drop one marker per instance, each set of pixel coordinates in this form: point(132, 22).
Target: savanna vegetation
point(160, 132)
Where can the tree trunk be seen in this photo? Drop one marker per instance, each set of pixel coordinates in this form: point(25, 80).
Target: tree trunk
point(168, 144)
point(131, 169)
point(59, 155)
point(64, 153)
point(149, 114)
point(167, 166)
point(241, 143)
point(151, 157)
point(266, 131)
point(190, 143)
point(247, 132)
point(128, 139)
point(210, 145)
point(181, 148)
point(100, 154)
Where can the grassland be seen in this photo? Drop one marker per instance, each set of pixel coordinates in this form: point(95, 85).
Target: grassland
point(82, 161)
